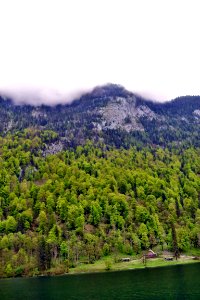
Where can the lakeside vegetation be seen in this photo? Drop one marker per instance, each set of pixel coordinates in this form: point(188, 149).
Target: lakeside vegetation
point(79, 208)
point(108, 264)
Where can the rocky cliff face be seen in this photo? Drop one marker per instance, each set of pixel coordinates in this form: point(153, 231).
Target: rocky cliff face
point(124, 114)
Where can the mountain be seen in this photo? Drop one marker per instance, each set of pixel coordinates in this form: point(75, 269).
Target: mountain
point(110, 114)
point(95, 202)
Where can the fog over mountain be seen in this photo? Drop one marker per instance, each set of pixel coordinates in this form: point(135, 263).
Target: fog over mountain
point(37, 97)
point(46, 96)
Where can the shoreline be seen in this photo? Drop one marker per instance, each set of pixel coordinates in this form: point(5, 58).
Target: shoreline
point(100, 267)
point(132, 265)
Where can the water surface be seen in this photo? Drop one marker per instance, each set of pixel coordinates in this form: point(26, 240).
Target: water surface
point(177, 282)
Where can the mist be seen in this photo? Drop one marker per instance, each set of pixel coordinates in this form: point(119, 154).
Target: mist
point(54, 51)
point(37, 97)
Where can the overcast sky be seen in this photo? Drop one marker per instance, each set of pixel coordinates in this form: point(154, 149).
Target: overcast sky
point(54, 50)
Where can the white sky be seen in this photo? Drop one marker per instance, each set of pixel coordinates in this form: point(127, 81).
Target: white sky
point(55, 49)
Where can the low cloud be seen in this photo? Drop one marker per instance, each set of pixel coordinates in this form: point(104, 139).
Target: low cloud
point(38, 97)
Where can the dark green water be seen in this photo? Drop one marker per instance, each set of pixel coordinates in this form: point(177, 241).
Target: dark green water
point(178, 282)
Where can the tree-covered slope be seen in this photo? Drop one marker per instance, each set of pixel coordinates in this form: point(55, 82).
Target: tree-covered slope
point(82, 204)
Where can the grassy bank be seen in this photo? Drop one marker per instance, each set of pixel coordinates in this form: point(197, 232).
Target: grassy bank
point(109, 264)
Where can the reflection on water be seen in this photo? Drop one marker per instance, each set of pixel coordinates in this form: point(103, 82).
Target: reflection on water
point(178, 282)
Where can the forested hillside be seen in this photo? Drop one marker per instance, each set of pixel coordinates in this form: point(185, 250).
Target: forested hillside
point(57, 210)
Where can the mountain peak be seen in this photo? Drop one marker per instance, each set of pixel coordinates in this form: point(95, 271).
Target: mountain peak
point(110, 89)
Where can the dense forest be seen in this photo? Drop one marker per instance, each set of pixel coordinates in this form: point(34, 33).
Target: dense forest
point(78, 205)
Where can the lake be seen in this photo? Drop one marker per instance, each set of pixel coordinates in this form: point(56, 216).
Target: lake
point(174, 282)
